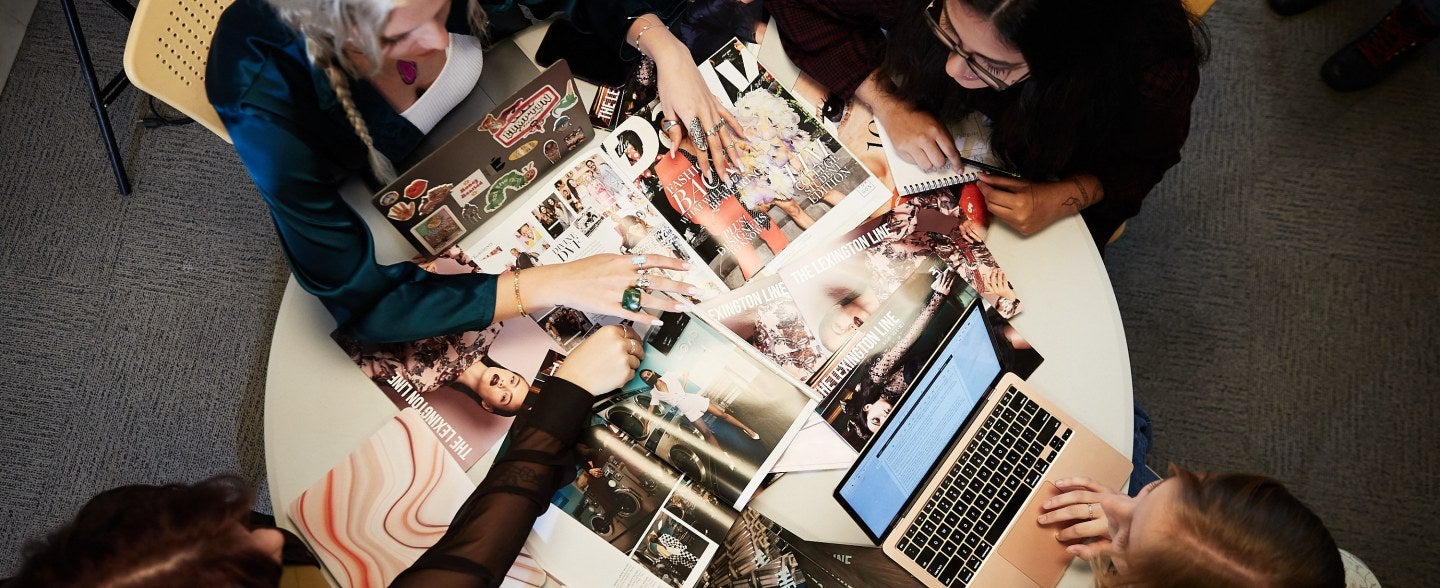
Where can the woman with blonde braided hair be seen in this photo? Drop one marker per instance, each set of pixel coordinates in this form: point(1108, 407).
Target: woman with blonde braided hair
point(315, 91)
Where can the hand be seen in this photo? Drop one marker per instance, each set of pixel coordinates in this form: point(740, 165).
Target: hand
point(914, 134)
point(996, 282)
point(971, 233)
point(595, 472)
point(604, 361)
point(943, 283)
point(597, 284)
point(684, 97)
point(1030, 206)
point(1080, 499)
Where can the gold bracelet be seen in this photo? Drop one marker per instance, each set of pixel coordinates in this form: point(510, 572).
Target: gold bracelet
point(648, 26)
point(520, 306)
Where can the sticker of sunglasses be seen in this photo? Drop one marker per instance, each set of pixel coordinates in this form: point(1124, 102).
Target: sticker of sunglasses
point(514, 179)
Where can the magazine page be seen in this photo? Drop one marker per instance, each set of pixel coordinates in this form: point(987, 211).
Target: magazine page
point(586, 209)
point(446, 197)
point(666, 462)
point(446, 378)
point(792, 178)
point(759, 553)
point(704, 28)
point(374, 514)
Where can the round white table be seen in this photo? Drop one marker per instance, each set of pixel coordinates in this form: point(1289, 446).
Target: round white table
point(319, 406)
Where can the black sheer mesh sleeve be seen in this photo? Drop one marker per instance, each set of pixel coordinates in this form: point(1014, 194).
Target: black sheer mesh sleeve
point(488, 531)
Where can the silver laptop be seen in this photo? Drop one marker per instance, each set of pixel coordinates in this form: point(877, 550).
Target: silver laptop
point(951, 484)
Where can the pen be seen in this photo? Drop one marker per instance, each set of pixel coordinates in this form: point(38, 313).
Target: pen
point(989, 169)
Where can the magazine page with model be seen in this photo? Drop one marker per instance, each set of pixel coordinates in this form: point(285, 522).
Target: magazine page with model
point(455, 381)
point(790, 177)
point(668, 462)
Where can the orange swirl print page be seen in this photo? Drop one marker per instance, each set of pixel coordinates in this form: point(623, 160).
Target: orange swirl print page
point(372, 516)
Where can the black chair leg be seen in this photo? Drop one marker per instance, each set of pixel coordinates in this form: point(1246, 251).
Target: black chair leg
point(101, 98)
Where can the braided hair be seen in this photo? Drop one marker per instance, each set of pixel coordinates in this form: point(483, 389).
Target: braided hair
point(343, 40)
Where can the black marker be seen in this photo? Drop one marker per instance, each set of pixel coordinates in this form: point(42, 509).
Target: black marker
point(989, 169)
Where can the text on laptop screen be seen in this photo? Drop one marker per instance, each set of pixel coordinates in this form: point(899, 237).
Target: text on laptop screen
point(922, 426)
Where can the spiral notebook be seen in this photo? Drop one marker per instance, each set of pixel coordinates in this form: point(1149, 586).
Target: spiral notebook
point(911, 179)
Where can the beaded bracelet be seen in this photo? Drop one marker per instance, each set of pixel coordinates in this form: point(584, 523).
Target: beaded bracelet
point(520, 306)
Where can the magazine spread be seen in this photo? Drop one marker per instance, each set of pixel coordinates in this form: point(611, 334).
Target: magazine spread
point(759, 553)
point(444, 197)
point(668, 461)
point(445, 378)
point(373, 515)
point(791, 179)
point(855, 318)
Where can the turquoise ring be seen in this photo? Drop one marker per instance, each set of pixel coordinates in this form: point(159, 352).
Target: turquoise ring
point(630, 299)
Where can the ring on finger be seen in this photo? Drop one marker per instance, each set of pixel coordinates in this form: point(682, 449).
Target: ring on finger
point(720, 125)
point(667, 124)
point(638, 261)
point(631, 346)
point(697, 134)
point(1090, 514)
point(643, 282)
point(630, 299)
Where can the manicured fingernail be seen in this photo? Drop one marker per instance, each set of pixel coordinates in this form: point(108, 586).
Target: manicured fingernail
point(692, 290)
point(683, 306)
point(685, 265)
point(1057, 537)
point(657, 323)
point(1043, 519)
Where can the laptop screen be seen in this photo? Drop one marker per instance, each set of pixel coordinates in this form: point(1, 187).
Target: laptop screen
point(918, 431)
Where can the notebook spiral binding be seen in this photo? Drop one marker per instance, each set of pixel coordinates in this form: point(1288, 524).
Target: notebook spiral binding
point(937, 183)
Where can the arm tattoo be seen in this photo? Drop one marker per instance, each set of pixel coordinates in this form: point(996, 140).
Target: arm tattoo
point(1081, 200)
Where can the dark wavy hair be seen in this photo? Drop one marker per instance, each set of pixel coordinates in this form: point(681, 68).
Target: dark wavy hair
point(1232, 530)
point(176, 535)
point(1086, 60)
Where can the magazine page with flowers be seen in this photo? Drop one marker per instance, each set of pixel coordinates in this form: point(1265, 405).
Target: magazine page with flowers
point(792, 178)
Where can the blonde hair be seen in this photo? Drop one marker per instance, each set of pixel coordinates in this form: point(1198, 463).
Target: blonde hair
point(338, 31)
point(1230, 530)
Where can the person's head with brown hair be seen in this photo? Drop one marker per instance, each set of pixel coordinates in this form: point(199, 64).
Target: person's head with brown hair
point(1216, 529)
point(159, 536)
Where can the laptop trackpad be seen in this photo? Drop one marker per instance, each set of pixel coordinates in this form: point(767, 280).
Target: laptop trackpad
point(1032, 547)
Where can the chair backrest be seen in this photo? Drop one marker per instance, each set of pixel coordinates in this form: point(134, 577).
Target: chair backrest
point(166, 52)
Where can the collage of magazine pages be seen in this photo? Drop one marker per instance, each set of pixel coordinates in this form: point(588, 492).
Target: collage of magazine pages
point(826, 306)
point(792, 178)
point(855, 318)
point(667, 463)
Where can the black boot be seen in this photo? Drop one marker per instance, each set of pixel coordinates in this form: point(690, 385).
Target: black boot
point(1378, 53)
point(1292, 7)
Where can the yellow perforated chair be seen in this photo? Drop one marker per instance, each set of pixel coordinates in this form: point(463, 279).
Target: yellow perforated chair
point(166, 52)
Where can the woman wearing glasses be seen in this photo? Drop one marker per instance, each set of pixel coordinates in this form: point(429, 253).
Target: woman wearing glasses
point(1088, 100)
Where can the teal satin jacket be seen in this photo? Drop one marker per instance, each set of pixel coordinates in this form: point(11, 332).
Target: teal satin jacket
point(293, 137)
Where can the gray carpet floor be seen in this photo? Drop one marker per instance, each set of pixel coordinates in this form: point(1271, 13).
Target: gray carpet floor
point(1277, 292)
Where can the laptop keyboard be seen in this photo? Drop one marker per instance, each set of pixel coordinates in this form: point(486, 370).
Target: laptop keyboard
point(964, 518)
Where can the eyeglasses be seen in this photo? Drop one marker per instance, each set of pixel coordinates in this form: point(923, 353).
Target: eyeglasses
point(993, 75)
